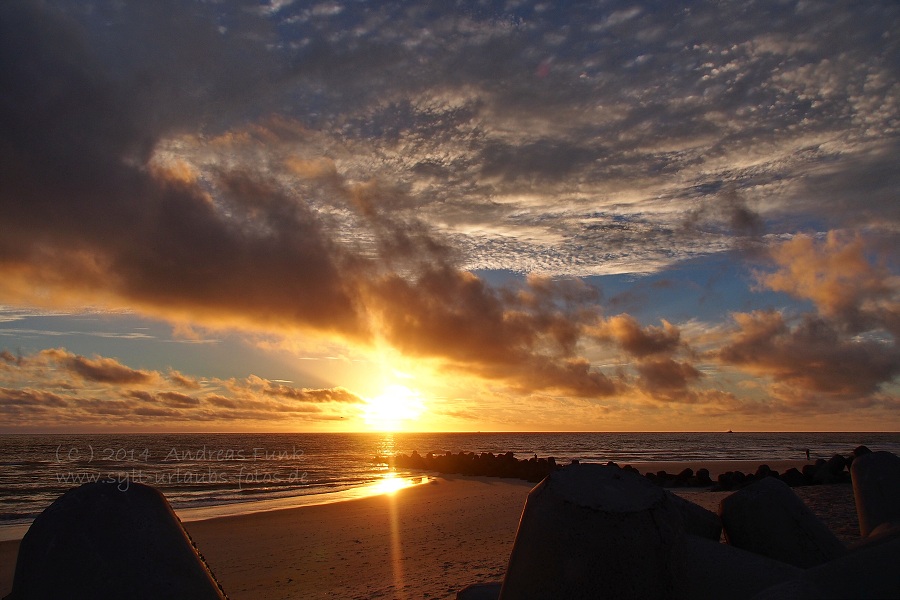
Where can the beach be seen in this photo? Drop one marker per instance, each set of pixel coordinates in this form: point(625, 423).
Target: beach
point(425, 541)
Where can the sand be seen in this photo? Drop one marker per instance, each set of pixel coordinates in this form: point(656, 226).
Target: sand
point(427, 541)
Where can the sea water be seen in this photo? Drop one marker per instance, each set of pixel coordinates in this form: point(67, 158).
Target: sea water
point(231, 472)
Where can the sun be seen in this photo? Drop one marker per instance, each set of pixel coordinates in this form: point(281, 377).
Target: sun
point(394, 409)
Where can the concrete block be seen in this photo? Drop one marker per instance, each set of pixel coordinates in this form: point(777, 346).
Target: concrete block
point(865, 574)
point(103, 540)
point(876, 487)
point(768, 518)
point(593, 531)
point(480, 591)
point(697, 520)
point(714, 571)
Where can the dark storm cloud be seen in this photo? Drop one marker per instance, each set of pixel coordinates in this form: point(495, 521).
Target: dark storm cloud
point(81, 210)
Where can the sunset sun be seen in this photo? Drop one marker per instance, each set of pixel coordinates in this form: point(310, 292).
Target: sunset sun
point(394, 410)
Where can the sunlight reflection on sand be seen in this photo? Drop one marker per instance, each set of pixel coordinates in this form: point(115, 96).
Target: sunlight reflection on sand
point(389, 483)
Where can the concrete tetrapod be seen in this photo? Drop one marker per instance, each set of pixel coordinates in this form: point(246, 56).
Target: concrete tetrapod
point(110, 540)
point(876, 487)
point(869, 573)
point(768, 518)
point(594, 531)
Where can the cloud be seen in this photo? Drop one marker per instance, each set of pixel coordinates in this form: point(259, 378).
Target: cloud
point(281, 390)
point(340, 172)
point(31, 398)
point(838, 277)
point(183, 380)
point(97, 369)
point(640, 342)
point(176, 399)
point(56, 387)
point(666, 374)
point(527, 335)
point(847, 348)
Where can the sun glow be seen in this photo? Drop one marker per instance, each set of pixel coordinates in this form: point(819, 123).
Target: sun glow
point(391, 483)
point(394, 409)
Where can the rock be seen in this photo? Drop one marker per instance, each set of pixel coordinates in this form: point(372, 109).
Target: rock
point(860, 451)
point(717, 571)
point(876, 487)
point(105, 540)
point(868, 573)
point(684, 477)
point(837, 464)
point(697, 520)
point(725, 480)
point(480, 591)
point(822, 473)
point(592, 531)
point(793, 478)
point(703, 477)
point(763, 471)
point(809, 474)
point(768, 518)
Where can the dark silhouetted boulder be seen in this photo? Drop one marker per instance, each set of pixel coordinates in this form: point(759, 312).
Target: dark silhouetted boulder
point(837, 464)
point(685, 475)
point(592, 531)
point(703, 478)
point(876, 487)
point(860, 451)
point(764, 471)
point(793, 478)
point(104, 540)
point(823, 474)
point(725, 481)
point(769, 519)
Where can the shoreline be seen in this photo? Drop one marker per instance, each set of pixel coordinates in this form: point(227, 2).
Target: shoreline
point(429, 539)
point(15, 531)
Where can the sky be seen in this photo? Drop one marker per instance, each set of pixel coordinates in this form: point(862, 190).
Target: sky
point(475, 216)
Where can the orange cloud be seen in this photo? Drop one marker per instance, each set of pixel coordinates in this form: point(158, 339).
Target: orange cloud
point(836, 275)
point(98, 369)
point(119, 396)
point(638, 341)
point(847, 349)
point(666, 374)
point(812, 355)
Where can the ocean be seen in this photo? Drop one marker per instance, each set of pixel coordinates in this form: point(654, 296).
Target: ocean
point(231, 473)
